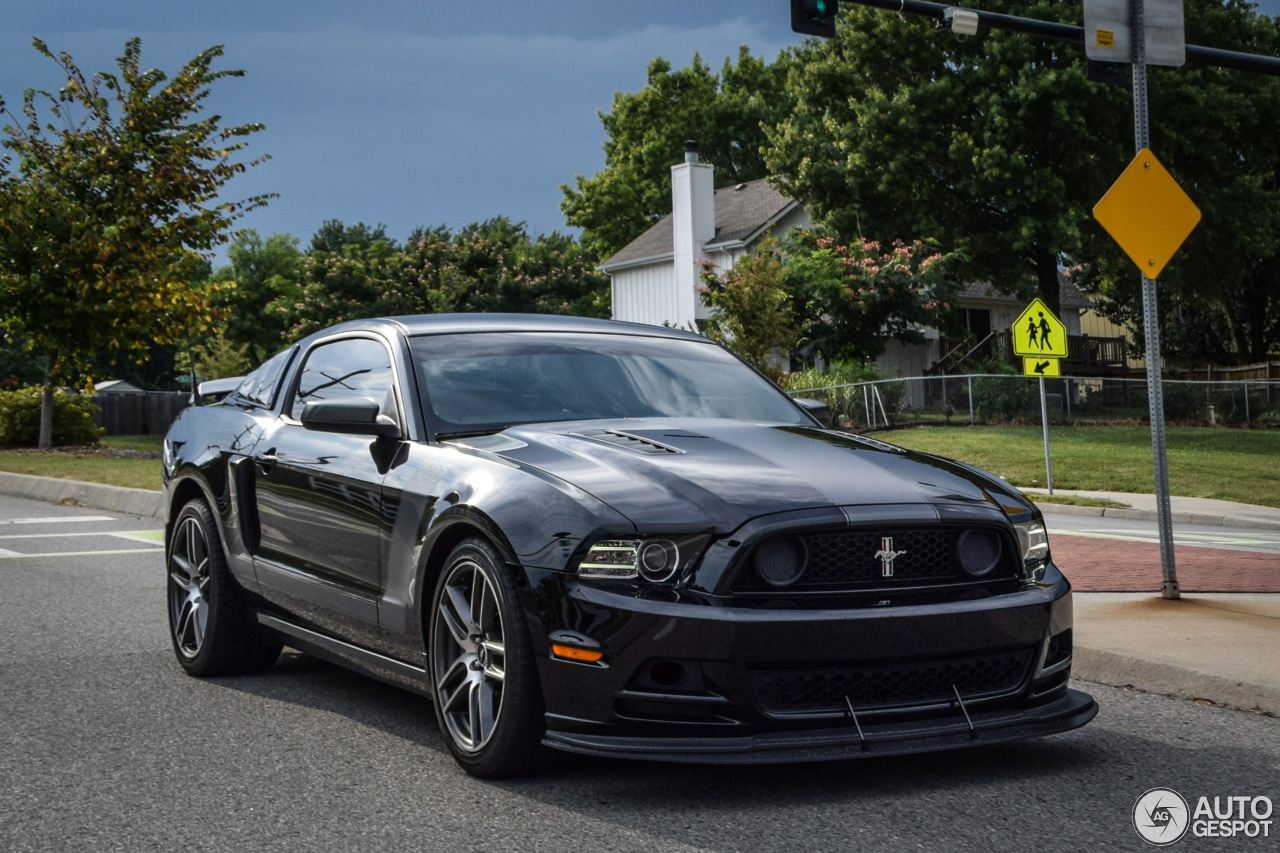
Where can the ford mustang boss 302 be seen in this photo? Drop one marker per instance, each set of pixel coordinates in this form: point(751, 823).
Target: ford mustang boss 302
point(611, 539)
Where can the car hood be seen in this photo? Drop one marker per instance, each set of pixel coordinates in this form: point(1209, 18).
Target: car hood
point(677, 475)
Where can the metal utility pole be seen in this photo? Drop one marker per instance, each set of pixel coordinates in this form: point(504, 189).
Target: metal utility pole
point(1151, 321)
point(1044, 425)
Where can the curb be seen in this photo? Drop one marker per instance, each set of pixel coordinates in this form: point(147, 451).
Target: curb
point(96, 495)
point(1150, 515)
point(1124, 671)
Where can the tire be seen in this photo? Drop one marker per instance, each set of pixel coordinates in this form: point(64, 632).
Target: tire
point(212, 631)
point(487, 698)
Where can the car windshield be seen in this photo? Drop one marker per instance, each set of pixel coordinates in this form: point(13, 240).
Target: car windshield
point(476, 383)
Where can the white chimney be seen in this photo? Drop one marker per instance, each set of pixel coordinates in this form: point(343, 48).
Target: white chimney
point(693, 222)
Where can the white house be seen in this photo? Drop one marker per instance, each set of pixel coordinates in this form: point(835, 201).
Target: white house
point(654, 277)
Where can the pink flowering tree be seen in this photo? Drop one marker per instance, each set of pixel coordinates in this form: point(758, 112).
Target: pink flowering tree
point(854, 297)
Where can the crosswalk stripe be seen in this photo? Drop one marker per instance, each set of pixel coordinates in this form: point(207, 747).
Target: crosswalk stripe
point(62, 519)
point(11, 555)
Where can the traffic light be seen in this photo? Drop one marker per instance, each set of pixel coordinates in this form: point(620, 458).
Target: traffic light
point(814, 17)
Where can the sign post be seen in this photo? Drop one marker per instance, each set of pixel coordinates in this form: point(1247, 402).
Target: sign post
point(1149, 215)
point(1041, 339)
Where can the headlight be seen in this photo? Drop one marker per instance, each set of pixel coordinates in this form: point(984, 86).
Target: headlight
point(1034, 541)
point(657, 560)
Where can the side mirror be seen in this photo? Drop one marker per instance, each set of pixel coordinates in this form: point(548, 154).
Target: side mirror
point(358, 416)
point(817, 408)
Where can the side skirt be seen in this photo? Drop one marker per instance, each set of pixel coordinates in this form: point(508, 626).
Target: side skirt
point(389, 670)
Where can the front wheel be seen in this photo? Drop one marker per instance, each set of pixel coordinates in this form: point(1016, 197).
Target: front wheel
point(487, 699)
point(212, 631)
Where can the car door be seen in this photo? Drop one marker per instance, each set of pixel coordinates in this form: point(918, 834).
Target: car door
point(319, 494)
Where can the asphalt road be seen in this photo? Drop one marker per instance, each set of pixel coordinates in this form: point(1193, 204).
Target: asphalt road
point(106, 745)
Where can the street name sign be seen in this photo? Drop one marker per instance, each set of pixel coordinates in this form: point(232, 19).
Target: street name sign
point(1108, 33)
point(1042, 367)
point(1147, 213)
point(1038, 333)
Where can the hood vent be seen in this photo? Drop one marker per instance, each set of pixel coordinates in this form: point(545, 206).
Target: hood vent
point(629, 441)
point(870, 442)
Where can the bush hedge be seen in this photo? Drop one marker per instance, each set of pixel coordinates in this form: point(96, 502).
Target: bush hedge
point(72, 418)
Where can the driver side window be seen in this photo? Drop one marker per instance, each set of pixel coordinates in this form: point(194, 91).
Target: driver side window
point(345, 370)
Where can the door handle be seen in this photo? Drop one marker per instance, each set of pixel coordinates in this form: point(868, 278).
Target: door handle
point(266, 460)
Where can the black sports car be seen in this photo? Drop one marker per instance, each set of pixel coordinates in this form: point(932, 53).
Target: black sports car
point(610, 539)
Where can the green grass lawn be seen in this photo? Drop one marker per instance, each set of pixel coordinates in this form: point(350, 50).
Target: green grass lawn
point(1229, 464)
point(134, 442)
point(1075, 500)
point(114, 471)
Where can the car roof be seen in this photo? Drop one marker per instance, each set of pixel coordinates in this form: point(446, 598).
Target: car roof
point(454, 324)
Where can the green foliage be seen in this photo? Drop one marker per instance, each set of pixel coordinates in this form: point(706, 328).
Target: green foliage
point(489, 266)
point(335, 236)
point(838, 373)
point(645, 132)
point(264, 271)
point(72, 418)
point(998, 145)
point(114, 198)
point(856, 296)
point(18, 365)
point(999, 399)
point(751, 309)
point(216, 357)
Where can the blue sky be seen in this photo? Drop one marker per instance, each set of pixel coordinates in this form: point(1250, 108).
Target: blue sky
point(409, 113)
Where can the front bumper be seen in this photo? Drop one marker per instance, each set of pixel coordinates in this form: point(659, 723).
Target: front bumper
point(727, 707)
point(1071, 711)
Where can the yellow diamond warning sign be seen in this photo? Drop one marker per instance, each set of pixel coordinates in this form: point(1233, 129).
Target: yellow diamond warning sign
point(1037, 333)
point(1147, 213)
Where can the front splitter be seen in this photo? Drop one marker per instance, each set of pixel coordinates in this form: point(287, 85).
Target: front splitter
point(833, 744)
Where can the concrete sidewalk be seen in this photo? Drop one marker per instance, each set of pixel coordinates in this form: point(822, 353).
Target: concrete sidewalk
point(1185, 510)
point(1221, 647)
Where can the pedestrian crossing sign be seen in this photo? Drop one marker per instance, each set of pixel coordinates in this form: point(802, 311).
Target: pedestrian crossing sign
point(1037, 333)
point(1042, 366)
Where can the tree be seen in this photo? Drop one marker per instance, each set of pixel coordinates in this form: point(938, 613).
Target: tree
point(998, 146)
point(855, 297)
point(334, 236)
point(217, 357)
point(645, 135)
point(751, 308)
point(103, 221)
point(1216, 130)
point(489, 266)
point(264, 272)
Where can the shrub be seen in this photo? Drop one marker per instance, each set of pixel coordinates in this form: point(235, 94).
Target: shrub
point(838, 373)
point(999, 399)
point(72, 418)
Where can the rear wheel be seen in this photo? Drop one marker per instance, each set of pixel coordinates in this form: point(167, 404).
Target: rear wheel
point(212, 631)
point(487, 698)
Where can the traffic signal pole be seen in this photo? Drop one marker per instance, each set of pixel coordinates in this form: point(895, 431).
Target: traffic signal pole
point(1151, 319)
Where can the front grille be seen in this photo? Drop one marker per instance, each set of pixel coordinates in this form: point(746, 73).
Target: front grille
point(847, 560)
point(891, 686)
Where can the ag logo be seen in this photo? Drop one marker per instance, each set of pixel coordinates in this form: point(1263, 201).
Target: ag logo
point(1161, 816)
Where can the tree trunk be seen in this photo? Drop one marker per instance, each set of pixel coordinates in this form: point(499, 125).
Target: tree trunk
point(46, 406)
point(1047, 278)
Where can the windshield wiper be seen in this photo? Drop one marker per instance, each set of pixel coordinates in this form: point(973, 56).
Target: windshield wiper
point(475, 433)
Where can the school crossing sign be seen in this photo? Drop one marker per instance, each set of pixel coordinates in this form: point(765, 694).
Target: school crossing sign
point(1037, 333)
point(1041, 339)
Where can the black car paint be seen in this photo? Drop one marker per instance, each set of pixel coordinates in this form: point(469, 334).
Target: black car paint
point(339, 537)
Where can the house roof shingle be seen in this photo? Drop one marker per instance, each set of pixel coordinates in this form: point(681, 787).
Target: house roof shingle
point(1070, 295)
point(741, 211)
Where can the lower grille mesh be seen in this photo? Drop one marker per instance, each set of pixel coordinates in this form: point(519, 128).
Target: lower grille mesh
point(890, 686)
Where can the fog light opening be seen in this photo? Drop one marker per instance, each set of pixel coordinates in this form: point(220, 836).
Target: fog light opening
point(667, 673)
point(978, 552)
point(781, 562)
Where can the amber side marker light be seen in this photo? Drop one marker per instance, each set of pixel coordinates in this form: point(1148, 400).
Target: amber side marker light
point(570, 653)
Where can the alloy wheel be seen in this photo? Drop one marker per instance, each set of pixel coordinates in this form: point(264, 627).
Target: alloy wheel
point(188, 587)
point(469, 656)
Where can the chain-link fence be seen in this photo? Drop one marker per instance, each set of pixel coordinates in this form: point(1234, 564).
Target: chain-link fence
point(997, 399)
